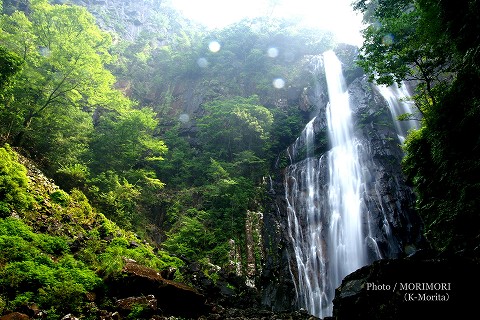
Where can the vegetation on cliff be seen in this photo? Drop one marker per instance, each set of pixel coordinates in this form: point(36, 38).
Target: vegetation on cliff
point(436, 44)
point(55, 249)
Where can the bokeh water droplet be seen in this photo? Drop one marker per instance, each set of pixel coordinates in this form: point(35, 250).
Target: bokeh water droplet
point(387, 39)
point(202, 62)
point(272, 52)
point(184, 118)
point(279, 83)
point(214, 46)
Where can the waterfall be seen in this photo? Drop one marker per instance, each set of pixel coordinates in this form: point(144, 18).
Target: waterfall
point(399, 103)
point(346, 204)
point(324, 203)
point(347, 252)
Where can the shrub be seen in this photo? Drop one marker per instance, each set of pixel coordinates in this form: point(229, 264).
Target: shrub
point(3, 304)
point(111, 260)
point(37, 268)
point(60, 197)
point(19, 242)
point(14, 193)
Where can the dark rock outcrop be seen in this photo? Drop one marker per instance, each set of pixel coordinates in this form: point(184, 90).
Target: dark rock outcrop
point(259, 314)
point(139, 284)
point(15, 316)
point(128, 304)
point(410, 288)
point(229, 290)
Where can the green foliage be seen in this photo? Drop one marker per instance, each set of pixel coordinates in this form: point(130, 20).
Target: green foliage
point(243, 66)
point(183, 166)
point(124, 140)
point(3, 304)
point(138, 311)
point(443, 170)
point(73, 176)
point(398, 45)
point(234, 137)
point(190, 238)
point(10, 64)
point(60, 197)
point(285, 129)
point(58, 103)
point(14, 192)
point(37, 268)
point(63, 52)
point(64, 109)
point(197, 234)
point(119, 198)
point(124, 155)
point(235, 125)
point(111, 259)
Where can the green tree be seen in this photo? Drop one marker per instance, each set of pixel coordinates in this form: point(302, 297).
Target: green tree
point(124, 140)
point(124, 157)
point(398, 46)
point(63, 76)
point(9, 65)
point(235, 125)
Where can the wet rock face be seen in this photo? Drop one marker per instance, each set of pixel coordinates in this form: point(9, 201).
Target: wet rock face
point(411, 288)
point(133, 16)
point(385, 186)
point(276, 283)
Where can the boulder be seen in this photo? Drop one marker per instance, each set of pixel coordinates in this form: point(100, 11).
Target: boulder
point(148, 302)
point(138, 282)
point(410, 288)
point(15, 316)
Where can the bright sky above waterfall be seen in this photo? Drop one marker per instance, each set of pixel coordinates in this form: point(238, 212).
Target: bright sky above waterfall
point(334, 15)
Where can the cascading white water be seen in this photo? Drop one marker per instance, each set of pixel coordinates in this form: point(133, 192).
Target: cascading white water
point(324, 203)
point(346, 248)
point(304, 207)
point(399, 103)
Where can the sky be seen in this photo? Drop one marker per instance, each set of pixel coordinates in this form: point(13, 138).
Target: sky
point(334, 15)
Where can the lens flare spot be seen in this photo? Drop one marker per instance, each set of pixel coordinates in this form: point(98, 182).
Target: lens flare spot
point(44, 51)
point(279, 83)
point(184, 118)
point(387, 39)
point(214, 46)
point(377, 25)
point(272, 52)
point(202, 62)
